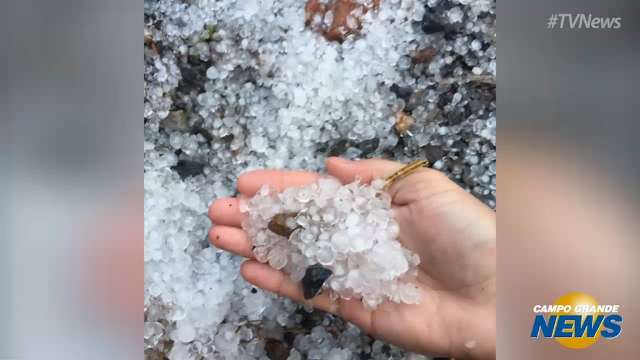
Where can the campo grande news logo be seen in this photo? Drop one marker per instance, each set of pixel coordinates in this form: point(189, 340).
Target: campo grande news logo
point(576, 321)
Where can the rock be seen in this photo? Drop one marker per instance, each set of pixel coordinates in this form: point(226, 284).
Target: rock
point(416, 99)
point(454, 117)
point(313, 279)
point(424, 55)
point(430, 24)
point(458, 145)
point(403, 93)
point(289, 338)
point(276, 350)
point(339, 147)
point(368, 146)
point(176, 120)
point(433, 153)
point(278, 224)
point(193, 73)
point(345, 17)
point(188, 168)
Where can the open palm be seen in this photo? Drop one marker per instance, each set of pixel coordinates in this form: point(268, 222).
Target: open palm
point(453, 233)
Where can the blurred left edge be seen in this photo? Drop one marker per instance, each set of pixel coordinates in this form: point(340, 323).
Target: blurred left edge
point(71, 141)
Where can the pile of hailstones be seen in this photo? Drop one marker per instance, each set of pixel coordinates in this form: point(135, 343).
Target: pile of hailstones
point(338, 236)
point(234, 85)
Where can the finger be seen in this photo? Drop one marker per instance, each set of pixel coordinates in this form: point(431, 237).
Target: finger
point(365, 170)
point(272, 280)
point(226, 211)
point(231, 239)
point(275, 281)
point(404, 190)
point(422, 184)
point(249, 183)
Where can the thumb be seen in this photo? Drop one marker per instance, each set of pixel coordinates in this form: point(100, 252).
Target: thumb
point(348, 171)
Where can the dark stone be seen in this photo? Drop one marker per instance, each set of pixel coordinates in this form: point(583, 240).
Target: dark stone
point(313, 279)
point(368, 146)
point(416, 99)
point(385, 349)
point(227, 139)
point(339, 147)
point(454, 117)
point(403, 93)
point(322, 148)
point(194, 75)
point(254, 290)
point(458, 145)
point(433, 153)
point(276, 350)
point(431, 24)
point(188, 168)
point(446, 96)
point(310, 319)
point(467, 112)
point(289, 337)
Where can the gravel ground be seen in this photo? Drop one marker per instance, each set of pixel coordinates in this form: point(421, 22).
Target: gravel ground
point(235, 85)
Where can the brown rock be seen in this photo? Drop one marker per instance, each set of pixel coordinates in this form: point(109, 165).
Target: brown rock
point(346, 17)
point(276, 350)
point(424, 55)
point(278, 224)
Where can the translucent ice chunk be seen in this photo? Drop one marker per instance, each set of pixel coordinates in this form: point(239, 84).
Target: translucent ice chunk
point(185, 332)
point(277, 258)
point(340, 241)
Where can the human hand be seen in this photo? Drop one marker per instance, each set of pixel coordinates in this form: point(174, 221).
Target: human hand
point(453, 233)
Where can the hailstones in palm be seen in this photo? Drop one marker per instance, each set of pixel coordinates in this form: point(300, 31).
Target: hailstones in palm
point(329, 235)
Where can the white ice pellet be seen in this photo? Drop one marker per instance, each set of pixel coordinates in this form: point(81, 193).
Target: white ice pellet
point(185, 332)
point(476, 45)
point(455, 14)
point(212, 72)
